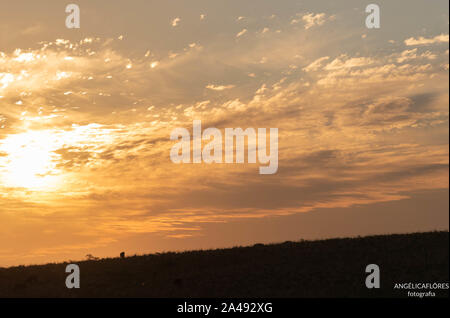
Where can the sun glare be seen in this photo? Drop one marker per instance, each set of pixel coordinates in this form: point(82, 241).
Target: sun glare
point(27, 161)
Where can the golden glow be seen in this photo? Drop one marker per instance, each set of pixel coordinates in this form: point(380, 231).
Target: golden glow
point(85, 125)
point(28, 161)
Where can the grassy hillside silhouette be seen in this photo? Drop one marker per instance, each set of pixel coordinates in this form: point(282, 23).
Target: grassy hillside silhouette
point(326, 268)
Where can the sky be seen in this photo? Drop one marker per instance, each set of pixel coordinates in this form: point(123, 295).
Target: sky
point(86, 116)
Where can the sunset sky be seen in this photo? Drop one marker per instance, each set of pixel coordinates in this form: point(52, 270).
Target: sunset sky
point(86, 116)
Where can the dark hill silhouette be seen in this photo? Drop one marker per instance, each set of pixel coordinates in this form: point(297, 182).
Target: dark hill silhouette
point(326, 268)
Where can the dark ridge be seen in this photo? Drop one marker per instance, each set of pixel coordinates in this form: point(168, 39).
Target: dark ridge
point(326, 268)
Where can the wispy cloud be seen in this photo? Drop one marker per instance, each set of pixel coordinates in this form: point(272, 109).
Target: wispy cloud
point(241, 33)
point(442, 38)
point(175, 22)
point(218, 87)
point(310, 20)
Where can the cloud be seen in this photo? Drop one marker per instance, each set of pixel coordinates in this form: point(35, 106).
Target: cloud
point(219, 87)
point(175, 22)
point(314, 66)
point(241, 33)
point(412, 54)
point(442, 38)
point(312, 19)
point(343, 62)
